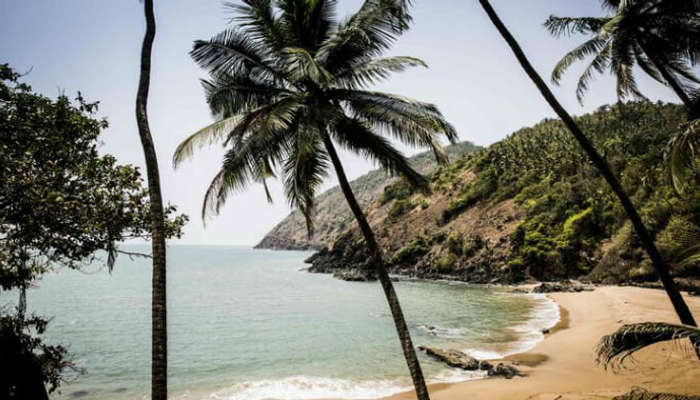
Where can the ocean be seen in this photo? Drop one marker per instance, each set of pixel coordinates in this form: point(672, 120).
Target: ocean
point(251, 324)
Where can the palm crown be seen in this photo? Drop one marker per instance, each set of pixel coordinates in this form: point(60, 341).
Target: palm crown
point(290, 77)
point(660, 36)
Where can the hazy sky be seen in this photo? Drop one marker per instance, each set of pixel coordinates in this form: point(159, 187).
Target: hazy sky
point(93, 46)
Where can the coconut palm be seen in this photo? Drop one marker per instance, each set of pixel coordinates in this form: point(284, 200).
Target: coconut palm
point(614, 349)
point(159, 334)
point(288, 84)
point(645, 237)
point(659, 36)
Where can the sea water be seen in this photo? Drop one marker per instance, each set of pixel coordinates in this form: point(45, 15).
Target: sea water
point(252, 324)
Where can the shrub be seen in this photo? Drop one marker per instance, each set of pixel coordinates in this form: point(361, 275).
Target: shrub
point(398, 190)
point(446, 263)
point(454, 243)
point(410, 253)
point(399, 208)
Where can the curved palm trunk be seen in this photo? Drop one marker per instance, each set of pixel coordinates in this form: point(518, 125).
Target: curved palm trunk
point(647, 242)
point(159, 350)
point(409, 351)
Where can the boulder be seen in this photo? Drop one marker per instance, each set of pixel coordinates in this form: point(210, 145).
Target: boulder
point(354, 275)
point(506, 371)
point(566, 286)
point(453, 358)
point(485, 366)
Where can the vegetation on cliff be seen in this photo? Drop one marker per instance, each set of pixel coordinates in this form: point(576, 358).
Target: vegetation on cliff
point(333, 215)
point(533, 206)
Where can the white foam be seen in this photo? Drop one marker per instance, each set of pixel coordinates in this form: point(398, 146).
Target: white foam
point(454, 375)
point(443, 332)
point(310, 388)
point(544, 316)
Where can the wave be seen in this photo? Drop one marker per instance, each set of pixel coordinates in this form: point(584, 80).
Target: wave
point(311, 388)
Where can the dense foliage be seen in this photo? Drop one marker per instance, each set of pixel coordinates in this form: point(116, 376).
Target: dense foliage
point(568, 209)
point(61, 203)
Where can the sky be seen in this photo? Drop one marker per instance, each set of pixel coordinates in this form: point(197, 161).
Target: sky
point(93, 46)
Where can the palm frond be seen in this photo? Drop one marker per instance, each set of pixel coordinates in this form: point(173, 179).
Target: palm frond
point(252, 161)
point(359, 138)
point(599, 64)
point(366, 34)
point(590, 47)
point(206, 136)
point(300, 66)
point(372, 71)
point(227, 95)
point(559, 26)
point(621, 65)
point(614, 349)
point(681, 152)
point(233, 53)
point(413, 122)
point(258, 20)
point(305, 169)
point(689, 256)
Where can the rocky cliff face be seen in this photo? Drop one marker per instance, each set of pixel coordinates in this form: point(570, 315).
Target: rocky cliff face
point(472, 247)
point(332, 212)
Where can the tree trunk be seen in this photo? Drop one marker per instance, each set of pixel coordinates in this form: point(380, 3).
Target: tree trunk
point(647, 242)
point(159, 350)
point(409, 351)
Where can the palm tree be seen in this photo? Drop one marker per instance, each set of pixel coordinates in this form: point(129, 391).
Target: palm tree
point(659, 36)
point(159, 349)
point(614, 349)
point(645, 237)
point(288, 84)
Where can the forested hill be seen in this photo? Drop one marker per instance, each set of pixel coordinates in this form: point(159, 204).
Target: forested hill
point(533, 206)
point(333, 214)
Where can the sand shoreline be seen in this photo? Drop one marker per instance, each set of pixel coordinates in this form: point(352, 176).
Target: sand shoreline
point(563, 367)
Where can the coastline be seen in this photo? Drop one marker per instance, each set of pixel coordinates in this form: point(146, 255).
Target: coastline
point(562, 366)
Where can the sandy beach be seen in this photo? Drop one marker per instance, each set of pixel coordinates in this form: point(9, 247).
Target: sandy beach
point(563, 367)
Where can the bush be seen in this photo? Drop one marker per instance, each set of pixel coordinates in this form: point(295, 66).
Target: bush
point(410, 253)
point(455, 243)
point(399, 208)
point(446, 263)
point(398, 190)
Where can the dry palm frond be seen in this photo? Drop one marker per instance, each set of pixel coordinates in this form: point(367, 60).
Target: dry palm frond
point(614, 349)
point(643, 394)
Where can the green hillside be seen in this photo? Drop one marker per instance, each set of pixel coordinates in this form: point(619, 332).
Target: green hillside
point(533, 206)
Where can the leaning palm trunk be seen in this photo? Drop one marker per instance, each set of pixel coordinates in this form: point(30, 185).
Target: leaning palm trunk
point(409, 351)
point(660, 265)
point(159, 353)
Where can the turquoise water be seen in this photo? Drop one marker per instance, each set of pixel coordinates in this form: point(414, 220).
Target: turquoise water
point(248, 324)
